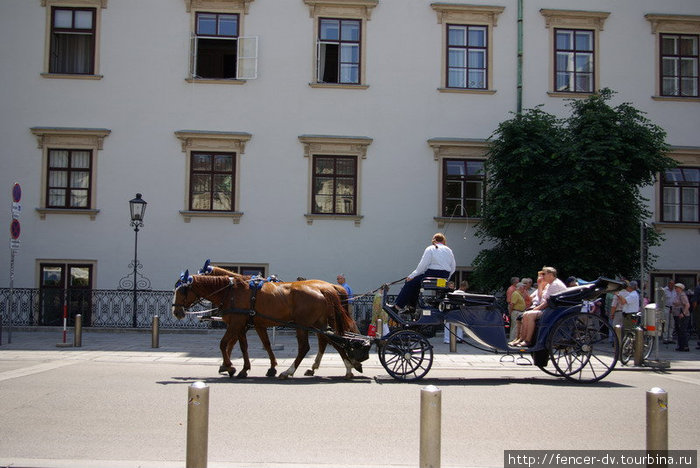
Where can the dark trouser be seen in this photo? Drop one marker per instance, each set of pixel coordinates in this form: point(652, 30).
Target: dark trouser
point(410, 290)
point(681, 322)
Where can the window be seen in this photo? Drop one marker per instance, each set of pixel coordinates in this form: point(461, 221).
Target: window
point(69, 180)
point(211, 181)
point(244, 269)
point(680, 195)
point(574, 60)
point(575, 47)
point(216, 45)
point(219, 52)
point(335, 169)
point(340, 37)
point(679, 65)
point(467, 61)
point(212, 178)
point(72, 38)
point(677, 57)
point(334, 185)
point(65, 283)
point(69, 166)
point(339, 51)
point(72, 41)
point(464, 187)
point(467, 57)
point(461, 178)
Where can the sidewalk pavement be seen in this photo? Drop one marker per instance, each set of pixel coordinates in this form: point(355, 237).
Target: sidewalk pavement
point(202, 347)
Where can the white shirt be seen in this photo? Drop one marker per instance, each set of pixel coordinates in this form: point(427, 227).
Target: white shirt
point(632, 304)
point(554, 287)
point(670, 295)
point(435, 257)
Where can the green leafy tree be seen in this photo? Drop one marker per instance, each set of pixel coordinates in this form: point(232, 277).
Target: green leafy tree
point(566, 192)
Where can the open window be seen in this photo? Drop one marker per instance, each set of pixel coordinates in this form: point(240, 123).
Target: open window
point(219, 52)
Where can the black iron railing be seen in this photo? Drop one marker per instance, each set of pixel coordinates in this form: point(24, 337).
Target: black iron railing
point(113, 308)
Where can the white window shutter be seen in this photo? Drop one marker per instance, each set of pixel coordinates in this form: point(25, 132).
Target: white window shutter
point(247, 66)
point(193, 56)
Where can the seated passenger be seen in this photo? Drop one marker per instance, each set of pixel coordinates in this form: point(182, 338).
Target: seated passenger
point(553, 285)
point(516, 307)
point(437, 261)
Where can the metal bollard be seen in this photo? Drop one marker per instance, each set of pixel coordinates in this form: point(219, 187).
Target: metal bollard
point(618, 332)
point(638, 346)
point(78, 335)
point(453, 338)
point(197, 425)
point(155, 332)
point(380, 329)
point(657, 422)
point(430, 426)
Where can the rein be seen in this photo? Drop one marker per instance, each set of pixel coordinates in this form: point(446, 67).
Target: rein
point(369, 293)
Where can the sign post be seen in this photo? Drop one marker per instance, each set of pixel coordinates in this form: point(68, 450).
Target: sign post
point(15, 231)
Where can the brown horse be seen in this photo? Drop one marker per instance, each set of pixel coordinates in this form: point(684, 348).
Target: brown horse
point(309, 305)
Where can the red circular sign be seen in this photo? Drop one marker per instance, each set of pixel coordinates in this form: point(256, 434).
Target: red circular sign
point(14, 229)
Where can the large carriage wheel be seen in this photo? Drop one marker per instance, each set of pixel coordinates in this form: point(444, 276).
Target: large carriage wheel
point(580, 348)
point(406, 355)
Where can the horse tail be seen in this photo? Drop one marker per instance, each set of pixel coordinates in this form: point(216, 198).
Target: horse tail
point(342, 314)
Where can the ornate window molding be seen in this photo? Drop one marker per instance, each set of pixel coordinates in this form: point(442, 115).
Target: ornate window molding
point(69, 138)
point(473, 15)
point(574, 19)
point(685, 156)
point(454, 148)
point(98, 5)
point(334, 145)
point(200, 140)
point(665, 23)
point(340, 9)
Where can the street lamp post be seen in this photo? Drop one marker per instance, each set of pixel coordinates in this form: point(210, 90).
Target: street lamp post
point(137, 207)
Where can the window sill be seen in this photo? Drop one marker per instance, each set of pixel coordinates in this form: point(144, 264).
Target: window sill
point(442, 221)
point(676, 98)
point(668, 225)
point(67, 211)
point(226, 81)
point(234, 215)
point(568, 94)
point(338, 86)
point(310, 217)
point(70, 76)
point(466, 91)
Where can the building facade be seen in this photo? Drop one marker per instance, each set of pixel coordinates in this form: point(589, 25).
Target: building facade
point(309, 137)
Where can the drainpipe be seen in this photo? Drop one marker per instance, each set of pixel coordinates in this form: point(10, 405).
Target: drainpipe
point(520, 58)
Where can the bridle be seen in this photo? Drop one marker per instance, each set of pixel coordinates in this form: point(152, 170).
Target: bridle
point(184, 288)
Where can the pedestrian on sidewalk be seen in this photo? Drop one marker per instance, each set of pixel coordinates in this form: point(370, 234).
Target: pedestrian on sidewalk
point(681, 313)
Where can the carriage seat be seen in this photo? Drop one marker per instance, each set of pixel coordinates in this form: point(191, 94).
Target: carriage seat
point(462, 298)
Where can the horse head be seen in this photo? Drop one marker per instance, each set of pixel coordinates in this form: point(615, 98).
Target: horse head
point(183, 296)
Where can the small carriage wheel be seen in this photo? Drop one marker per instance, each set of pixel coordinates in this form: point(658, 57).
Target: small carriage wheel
point(406, 355)
point(580, 348)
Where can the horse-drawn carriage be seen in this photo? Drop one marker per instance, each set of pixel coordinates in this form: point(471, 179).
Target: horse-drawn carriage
point(569, 343)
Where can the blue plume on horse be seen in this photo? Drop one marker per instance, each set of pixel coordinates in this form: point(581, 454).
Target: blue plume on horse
point(207, 268)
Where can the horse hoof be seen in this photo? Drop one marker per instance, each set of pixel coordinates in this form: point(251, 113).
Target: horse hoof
point(271, 372)
point(231, 374)
point(309, 372)
point(349, 376)
point(226, 370)
point(283, 376)
point(242, 375)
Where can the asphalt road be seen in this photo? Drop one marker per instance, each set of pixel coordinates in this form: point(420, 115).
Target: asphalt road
point(128, 408)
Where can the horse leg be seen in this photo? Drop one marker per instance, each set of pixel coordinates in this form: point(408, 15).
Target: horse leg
point(322, 343)
point(303, 343)
point(265, 339)
point(226, 345)
point(346, 361)
point(243, 343)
